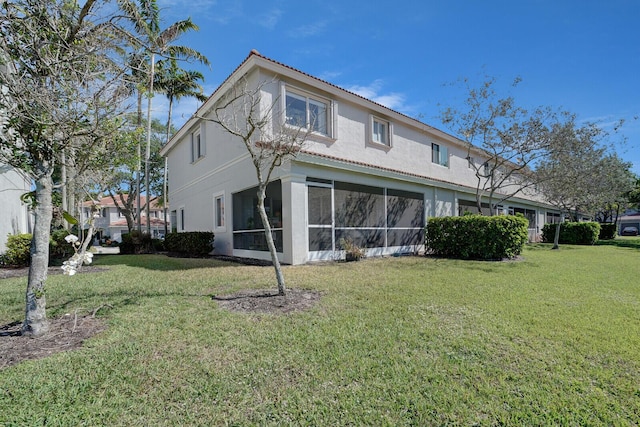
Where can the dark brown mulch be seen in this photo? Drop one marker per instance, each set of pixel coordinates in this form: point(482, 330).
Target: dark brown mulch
point(268, 301)
point(8, 272)
point(65, 333)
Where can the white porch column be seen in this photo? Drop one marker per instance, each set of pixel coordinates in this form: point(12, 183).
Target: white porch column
point(294, 218)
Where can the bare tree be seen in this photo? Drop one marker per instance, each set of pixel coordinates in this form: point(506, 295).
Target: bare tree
point(268, 140)
point(503, 140)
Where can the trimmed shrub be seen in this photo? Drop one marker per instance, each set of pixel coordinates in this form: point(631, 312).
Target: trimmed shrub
point(18, 250)
point(608, 231)
point(157, 245)
point(58, 247)
point(136, 242)
point(477, 236)
point(190, 243)
point(572, 233)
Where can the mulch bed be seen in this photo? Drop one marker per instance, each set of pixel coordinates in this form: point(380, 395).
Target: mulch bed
point(8, 272)
point(65, 333)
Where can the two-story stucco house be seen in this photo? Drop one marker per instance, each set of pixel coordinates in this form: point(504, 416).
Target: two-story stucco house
point(15, 217)
point(111, 223)
point(366, 172)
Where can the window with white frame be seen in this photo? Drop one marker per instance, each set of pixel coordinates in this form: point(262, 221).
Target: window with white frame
point(439, 154)
point(530, 214)
point(182, 224)
point(197, 146)
point(307, 112)
point(218, 211)
point(380, 131)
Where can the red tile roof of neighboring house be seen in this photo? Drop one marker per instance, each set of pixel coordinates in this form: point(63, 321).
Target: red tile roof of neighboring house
point(107, 202)
point(143, 221)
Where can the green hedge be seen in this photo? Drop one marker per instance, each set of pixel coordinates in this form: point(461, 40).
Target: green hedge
point(60, 249)
point(19, 247)
point(136, 242)
point(572, 233)
point(608, 231)
point(190, 243)
point(18, 250)
point(477, 236)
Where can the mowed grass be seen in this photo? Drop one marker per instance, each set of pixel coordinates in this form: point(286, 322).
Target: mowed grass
point(553, 339)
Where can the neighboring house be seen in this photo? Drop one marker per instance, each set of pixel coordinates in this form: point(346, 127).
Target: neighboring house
point(111, 223)
point(366, 172)
point(15, 217)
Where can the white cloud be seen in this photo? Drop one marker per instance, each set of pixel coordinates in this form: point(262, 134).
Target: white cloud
point(329, 75)
point(308, 30)
point(173, 10)
point(270, 19)
point(182, 109)
point(373, 91)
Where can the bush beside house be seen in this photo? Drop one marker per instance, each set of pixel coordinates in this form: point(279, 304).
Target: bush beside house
point(572, 233)
point(192, 243)
point(477, 236)
point(17, 254)
point(608, 231)
point(136, 242)
point(19, 246)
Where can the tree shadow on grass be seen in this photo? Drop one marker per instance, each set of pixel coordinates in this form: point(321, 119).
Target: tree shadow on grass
point(631, 243)
point(163, 262)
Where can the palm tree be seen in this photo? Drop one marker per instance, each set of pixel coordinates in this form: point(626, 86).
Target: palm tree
point(153, 41)
point(176, 83)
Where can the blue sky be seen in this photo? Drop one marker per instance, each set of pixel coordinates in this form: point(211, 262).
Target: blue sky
point(581, 56)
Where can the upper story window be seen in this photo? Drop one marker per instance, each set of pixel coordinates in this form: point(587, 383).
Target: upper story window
point(439, 154)
point(197, 146)
point(380, 131)
point(307, 112)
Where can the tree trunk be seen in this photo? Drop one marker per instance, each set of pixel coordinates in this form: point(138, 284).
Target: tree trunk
point(90, 233)
point(272, 246)
point(63, 189)
point(556, 238)
point(139, 165)
point(35, 321)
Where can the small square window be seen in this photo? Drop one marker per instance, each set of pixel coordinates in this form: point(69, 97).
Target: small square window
point(439, 154)
point(380, 131)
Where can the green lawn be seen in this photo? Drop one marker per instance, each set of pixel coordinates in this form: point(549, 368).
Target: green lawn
point(550, 340)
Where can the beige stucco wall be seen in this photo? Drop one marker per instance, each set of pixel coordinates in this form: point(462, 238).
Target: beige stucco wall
point(226, 168)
